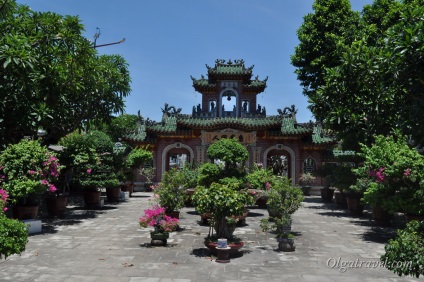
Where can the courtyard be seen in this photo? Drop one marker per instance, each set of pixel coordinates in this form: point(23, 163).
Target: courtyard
point(106, 244)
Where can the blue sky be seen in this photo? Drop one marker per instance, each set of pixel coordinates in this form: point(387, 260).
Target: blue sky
point(169, 40)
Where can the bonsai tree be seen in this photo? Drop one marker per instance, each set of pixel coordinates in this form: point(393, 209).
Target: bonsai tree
point(282, 201)
point(79, 157)
point(135, 159)
point(231, 153)
point(219, 193)
point(306, 179)
point(103, 172)
point(223, 203)
point(170, 191)
point(27, 170)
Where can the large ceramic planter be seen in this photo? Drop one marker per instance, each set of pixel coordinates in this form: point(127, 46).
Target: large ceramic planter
point(409, 217)
point(260, 198)
point(286, 244)
point(327, 195)
point(159, 237)
point(173, 214)
point(242, 218)
point(235, 247)
point(56, 205)
point(380, 216)
point(113, 194)
point(128, 187)
point(92, 198)
point(354, 205)
point(25, 212)
point(306, 190)
point(340, 199)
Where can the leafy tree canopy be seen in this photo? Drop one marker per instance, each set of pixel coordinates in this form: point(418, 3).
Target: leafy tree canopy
point(51, 77)
point(369, 80)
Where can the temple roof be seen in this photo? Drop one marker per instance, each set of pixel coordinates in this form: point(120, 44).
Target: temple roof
point(229, 71)
point(277, 126)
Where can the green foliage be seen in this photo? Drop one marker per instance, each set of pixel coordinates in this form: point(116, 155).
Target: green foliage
point(86, 156)
point(220, 201)
point(52, 77)
point(78, 153)
point(344, 178)
point(405, 254)
point(121, 126)
point(209, 173)
point(189, 175)
point(13, 236)
point(282, 201)
point(229, 151)
point(363, 76)
point(233, 182)
point(98, 176)
point(138, 156)
point(27, 170)
point(394, 174)
point(100, 141)
point(171, 190)
point(258, 177)
point(323, 37)
point(283, 198)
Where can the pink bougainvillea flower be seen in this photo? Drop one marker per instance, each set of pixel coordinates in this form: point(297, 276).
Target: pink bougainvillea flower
point(52, 188)
point(407, 172)
point(267, 185)
point(89, 170)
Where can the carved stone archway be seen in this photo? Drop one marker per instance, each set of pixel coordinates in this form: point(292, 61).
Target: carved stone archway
point(292, 159)
point(177, 145)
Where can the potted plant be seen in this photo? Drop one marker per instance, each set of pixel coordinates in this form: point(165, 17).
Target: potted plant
point(135, 159)
point(258, 182)
point(13, 233)
point(103, 171)
point(283, 201)
point(148, 173)
point(327, 191)
point(223, 204)
point(161, 223)
point(27, 171)
point(171, 193)
point(306, 179)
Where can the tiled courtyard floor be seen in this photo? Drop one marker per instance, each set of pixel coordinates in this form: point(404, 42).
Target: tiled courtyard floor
point(107, 245)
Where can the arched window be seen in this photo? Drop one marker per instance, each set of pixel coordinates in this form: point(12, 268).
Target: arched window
point(309, 165)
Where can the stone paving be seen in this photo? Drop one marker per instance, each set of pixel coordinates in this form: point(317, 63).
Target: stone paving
point(106, 244)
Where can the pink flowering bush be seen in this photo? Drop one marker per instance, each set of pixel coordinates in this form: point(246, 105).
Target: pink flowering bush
point(157, 218)
point(28, 169)
point(3, 200)
point(392, 175)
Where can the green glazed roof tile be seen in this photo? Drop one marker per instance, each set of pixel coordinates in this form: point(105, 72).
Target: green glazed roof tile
point(319, 136)
point(288, 126)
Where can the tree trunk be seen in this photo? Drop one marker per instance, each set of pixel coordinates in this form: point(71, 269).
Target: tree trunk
point(221, 228)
